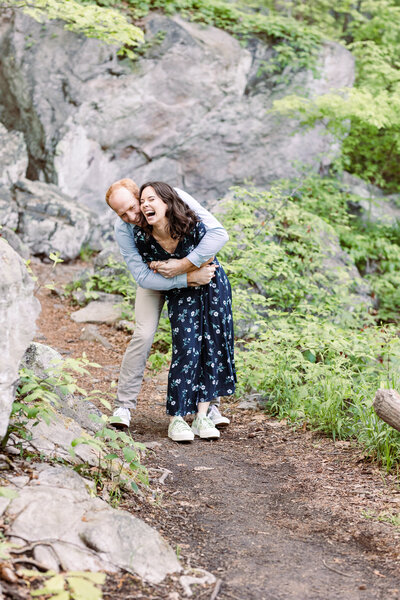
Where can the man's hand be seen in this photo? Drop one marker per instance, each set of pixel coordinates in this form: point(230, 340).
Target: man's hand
point(175, 266)
point(202, 276)
point(172, 267)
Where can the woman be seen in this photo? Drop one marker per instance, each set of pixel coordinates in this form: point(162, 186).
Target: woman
point(202, 366)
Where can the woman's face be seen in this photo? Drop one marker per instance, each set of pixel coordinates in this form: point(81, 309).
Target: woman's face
point(153, 207)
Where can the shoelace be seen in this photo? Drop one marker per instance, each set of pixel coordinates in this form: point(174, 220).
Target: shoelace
point(213, 411)
point(205, 420)
point(180, 425)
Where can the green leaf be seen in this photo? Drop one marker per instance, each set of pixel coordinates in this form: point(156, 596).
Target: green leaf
point(94, 577)
point(129, 454)
point(308, 355)
point(83, 589)
point(111, 456)
point(6, 492)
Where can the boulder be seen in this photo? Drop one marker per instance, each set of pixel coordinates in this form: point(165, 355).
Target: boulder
point(81, 532)
point(192, 111)
point(15, 242)
point(370, 203)
point(8, 209)
point(50, 221)
point(18, 312)
point(13, 156)
point(98, 312)
point(43, 360)
point(54, 440)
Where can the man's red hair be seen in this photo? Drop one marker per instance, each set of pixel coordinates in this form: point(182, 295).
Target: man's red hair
point(127, 183)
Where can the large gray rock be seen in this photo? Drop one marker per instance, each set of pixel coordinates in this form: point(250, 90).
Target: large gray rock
point(98, 312)
point(56, 437)
point(8, 209)
point(82, 532)
point(18, 313)
point(50, 221)
point(54, 440)
point(15, 242)
point(371, 204)
point(13, 156)
point(193, 111)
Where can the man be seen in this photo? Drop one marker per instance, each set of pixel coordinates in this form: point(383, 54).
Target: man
point(194, 269)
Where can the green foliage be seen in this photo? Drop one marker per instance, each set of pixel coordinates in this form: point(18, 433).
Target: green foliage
point(37, 399)
point(313, 360)
point(86, 253)
point(93, 21)
point(5, 548)
point(313, 371)
point(6, 492)
point(73, 585)
point(365, 119)
point(384, 517)
point(161, 350)
point(118, 458)
point(277, 251)
point(39, 395)
point(296, 44)
point(114, 278)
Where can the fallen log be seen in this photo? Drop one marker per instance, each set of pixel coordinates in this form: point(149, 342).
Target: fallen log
point(387, 407)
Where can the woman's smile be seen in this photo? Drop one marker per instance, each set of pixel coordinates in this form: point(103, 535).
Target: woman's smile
point(152, 207)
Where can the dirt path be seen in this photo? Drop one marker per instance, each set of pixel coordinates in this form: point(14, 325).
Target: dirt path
point(272, 513)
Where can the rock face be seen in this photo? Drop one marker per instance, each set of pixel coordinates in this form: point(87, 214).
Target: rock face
point(50, 221)
point(80, 532)
point(13, 156)
point(193, 111)
point(58, 435)
point(18, 313)
point(372, 206)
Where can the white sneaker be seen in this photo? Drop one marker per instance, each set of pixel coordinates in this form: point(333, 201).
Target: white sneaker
point(122, 417)
point(179, 430)
point(216, 417)
point(205, 428)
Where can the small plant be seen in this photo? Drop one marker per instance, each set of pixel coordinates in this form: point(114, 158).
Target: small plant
point(113, 278)
point(37, 399)
point(86, 253)
point(55, 258)
point(118, 457)
point(73, 585)
point(383, 517)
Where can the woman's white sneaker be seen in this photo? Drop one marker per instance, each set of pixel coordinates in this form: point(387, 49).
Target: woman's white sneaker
point(122, 417)
point(179, 430)
point(205, 428)
point(216, 417)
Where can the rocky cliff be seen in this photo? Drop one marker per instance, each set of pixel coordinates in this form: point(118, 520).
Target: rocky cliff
point(194, 110)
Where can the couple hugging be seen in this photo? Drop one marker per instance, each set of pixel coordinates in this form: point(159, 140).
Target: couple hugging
point(169, 242)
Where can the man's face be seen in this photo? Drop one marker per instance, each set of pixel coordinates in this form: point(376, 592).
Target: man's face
point(125, 205)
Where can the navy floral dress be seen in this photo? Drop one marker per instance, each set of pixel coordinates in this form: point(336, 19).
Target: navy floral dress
point(202, 365)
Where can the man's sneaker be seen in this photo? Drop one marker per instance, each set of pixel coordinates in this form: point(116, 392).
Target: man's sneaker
point(122, 418)
point(204, 428)
point(179, 430)
point(216, 417)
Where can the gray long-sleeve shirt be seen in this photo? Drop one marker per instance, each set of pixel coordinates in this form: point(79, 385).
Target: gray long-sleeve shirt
point(213, 240)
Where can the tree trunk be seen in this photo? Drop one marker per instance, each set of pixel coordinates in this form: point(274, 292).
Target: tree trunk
point(387, 407)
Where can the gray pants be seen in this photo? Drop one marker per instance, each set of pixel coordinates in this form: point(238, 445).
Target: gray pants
point(148, 308)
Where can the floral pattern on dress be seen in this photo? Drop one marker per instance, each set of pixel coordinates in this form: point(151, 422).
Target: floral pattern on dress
point(202, 365)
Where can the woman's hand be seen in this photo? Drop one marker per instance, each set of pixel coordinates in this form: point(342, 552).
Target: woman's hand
point(172, 267)
point(202, 276)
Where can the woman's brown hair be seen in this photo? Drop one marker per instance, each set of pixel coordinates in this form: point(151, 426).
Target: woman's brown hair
point(181, 219)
